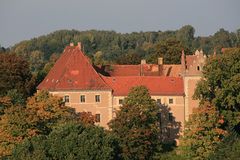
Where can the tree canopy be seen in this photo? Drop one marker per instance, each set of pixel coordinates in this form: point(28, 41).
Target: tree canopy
point(221, 84)
point(137, 125)
point(70, 141)
point(39, 116)
point(202, 133)
point(15, 74)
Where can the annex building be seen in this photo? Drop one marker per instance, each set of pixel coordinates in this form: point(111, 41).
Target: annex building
point(101, 89)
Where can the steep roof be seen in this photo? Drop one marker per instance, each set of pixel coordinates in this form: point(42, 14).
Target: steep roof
point(157, 85)
point(73, 71)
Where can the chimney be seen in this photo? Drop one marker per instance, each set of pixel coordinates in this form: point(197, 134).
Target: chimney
point(71, 44)
point(160, 61)
point(160, 66)
point(183, 62)
point(79, 46)
point(143, 61)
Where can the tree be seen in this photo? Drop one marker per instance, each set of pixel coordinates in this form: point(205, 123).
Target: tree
point(15, 74)
point(98, 58)
point(221, 39)
point(41, 114)
point(16, 97)
point(202, 133)
point(129, 58)
point(229, 147)
point(221, 85)
point(186, 35)
point(70, 141)
point(170, 50)
point(137, 125)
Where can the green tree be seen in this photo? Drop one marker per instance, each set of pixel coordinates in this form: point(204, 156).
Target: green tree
point(186, 35)
point(221, 85)
point(229, 147)
point(98, 58)
point(202, 133)
point(137, 125)
point(170, 50)
point(70, 141)
point(222, 38)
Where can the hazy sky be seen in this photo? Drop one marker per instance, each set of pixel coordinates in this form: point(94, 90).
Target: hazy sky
point(25, 19)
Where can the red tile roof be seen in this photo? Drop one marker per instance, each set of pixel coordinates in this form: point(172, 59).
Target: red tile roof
point(73, 71)
point(124, 70)
point(172, 70)
point(157, 85)
point(147, 70)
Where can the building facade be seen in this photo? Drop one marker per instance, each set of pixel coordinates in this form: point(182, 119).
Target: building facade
point(101, 89)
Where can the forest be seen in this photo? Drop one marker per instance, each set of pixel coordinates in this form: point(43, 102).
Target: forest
point(37, 125)
point(110, 47)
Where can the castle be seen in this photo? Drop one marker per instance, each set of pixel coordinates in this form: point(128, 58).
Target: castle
point(101, 89)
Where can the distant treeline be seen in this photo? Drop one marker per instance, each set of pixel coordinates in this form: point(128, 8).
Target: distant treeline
point(110, 47)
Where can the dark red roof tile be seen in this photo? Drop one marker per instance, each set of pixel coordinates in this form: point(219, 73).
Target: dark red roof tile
point(73, 71)
point(157, 85)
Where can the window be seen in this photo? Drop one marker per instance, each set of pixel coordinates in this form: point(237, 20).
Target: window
point(66, 99)
point(159, 101)
point(82, 98)
point(97, 98)
point(170, 101)
point(120, 101)
point(170, 117)
point(97, 118)
point(198, 68)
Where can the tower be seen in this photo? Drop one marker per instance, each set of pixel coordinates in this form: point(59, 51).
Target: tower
point(191, 72)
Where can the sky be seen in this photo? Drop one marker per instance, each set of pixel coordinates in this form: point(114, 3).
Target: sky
point(26, 19)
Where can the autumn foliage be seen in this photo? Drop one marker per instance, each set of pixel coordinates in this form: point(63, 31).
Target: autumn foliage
point(202, 133)
point(40, 115)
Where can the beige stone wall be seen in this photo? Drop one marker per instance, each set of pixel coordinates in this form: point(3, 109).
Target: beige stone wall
point(104, 107)
point(190, 83)
point(109, 104)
